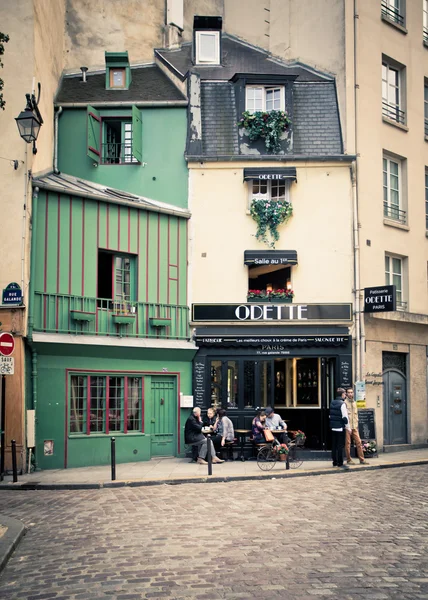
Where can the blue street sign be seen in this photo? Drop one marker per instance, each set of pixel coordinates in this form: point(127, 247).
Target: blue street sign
point(12, 294)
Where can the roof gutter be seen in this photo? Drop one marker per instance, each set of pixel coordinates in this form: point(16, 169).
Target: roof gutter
point(83, 194)
point(346, 158)
point(142, 104)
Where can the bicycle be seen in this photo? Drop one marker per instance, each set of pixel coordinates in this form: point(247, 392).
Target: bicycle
point(268, 455)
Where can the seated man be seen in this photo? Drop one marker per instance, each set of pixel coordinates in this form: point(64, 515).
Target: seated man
point(274, 422)
point(194, 437)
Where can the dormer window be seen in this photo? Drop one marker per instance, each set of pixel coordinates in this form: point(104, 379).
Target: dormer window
point(207, 38)
point(117, 78)
point(264, 98)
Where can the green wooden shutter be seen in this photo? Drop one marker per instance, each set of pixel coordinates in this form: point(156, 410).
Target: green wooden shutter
point(94, 134)
point(137, 134)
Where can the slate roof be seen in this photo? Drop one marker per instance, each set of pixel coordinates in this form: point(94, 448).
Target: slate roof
point(218, 115)
point(74, 186)
point(149, 84)
point(237, 57)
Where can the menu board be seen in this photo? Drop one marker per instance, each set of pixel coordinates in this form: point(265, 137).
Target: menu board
point(366, 424)
point(199, 383)
point(345, 375)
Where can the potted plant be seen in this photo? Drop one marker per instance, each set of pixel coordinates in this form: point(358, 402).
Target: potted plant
point(269, 215)
point(369, 448)
point(124, 312)
point(267, 125)
point(282, 451)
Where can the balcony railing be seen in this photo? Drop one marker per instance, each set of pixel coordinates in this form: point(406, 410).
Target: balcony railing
point(392, 112)
point(117, 154)
point(394, 213)
point(61, 313)
point(425, 30)
point(401, 305)
point(392, 14)
point(426, 127)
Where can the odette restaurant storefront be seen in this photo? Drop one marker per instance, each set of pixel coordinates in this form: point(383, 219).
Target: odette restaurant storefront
point(288, 356)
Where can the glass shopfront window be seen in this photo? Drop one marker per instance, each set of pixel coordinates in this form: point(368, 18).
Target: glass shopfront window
point(249, 384)
point(232, 384)
point(216, 384)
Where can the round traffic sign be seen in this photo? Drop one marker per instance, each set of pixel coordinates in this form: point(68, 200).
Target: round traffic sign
point(7, 344)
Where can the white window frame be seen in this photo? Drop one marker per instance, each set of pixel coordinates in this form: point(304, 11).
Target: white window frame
point(271, 186)
point(426, 106)
point(265, 89)
point(392, 209)
point(395, 276)
point(202, 59)
point(425, 20)
point(392, 93)
point(398, 7)
point(426, 198)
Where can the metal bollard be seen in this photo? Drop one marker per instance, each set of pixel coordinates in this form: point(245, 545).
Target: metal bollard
point(113, 458)
point(287, 463)
point(14, 467)
point(209, 457)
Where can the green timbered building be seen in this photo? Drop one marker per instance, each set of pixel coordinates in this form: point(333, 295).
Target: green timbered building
point(108, 320)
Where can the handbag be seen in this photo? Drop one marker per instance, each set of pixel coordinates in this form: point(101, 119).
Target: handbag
point(269, 437)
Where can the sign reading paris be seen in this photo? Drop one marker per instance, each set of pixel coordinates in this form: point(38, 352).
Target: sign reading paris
point(12, 294)
point(380, 299)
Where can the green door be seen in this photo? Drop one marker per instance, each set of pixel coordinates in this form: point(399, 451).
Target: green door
point(164, 416)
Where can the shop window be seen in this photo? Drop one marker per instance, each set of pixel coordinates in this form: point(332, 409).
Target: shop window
point(264, 98)
point(249, 384)
point(105, 404)
point(216, 384)
point(232, 384)
point(263, 280)
point(114, 141)
point(307, 382)
point(116, 276)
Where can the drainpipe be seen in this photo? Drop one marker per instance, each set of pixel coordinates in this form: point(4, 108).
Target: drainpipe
point(27, 177)
point(356, 271)
point(55, 160)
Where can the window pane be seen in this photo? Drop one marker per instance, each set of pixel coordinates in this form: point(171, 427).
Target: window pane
point(78, 390)
point(232, 383)
point(277, 190)
point(115, 416)
point(396, 265)
point(249, 384)
point(134, 403)
point(208, 47)
point(97, 409)
point(265, 382)
point(216, 382)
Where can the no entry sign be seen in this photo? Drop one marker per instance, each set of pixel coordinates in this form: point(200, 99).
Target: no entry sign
point(7, 344)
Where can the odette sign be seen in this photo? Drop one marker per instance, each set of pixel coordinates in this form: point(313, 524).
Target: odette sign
point(284, 313)
point(380, 299)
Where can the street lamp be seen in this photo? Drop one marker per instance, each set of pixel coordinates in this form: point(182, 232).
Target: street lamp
point(30, 120)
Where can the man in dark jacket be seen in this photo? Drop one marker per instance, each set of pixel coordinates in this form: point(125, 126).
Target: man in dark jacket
point(194, 437)
point(338, 421)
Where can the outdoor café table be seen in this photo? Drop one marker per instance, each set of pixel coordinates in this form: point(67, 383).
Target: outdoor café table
point(242, 433)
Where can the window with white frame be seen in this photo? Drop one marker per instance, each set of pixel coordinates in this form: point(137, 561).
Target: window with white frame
point(426, 198)
point(105, 404)
point(394, 273)
point(392, 95)
point(426, 106)
point(394, 10)
point(207, 47)
point(268, 189)
point(392, 190)
point(425, 21)
point(264, 98)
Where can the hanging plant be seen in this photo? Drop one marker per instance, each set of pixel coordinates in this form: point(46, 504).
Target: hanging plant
point(269, 215)
point(266, 125)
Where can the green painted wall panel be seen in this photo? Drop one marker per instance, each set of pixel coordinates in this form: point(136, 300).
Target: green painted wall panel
point(53, 362)
point(133, 231)
point(163, 259)
point(76, 246)
point(91, 250)
point(112, 225)
point(153, 253)
point(51, 244)
point(64, 245)
point(40, 242)
point(102, 226)
point(124, 223)
point(164, 177)
point(182, 284)
point(143, 256)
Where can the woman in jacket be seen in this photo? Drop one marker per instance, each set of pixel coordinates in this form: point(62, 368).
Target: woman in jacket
point(223, 428)
point(257, 427)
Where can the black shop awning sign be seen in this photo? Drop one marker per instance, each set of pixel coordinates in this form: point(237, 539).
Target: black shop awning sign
point(284, 174)
point(270, 257)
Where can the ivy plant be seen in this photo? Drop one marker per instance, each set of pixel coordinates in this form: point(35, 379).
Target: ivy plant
point(269, 215)
point(266, 125)
point(4, 38)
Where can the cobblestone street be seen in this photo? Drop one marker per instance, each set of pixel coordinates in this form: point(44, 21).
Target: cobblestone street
point(362, 535)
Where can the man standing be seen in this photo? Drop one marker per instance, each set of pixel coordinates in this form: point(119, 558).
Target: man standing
point(338, 421)
point(352, 430)
point(194, 437)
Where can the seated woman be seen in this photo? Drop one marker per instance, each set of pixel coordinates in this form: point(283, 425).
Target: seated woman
point(257, 427)
point(210, 418)
point(223, 429)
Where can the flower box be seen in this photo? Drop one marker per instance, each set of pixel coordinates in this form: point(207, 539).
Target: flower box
point(81, 315)
point(261, 299)
point(123, 319)
point(159, 321)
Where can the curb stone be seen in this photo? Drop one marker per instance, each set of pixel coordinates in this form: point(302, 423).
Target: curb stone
point(10, 539)
point(204, 479)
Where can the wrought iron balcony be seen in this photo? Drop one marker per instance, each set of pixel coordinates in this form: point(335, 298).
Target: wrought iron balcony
point(401, 305)
point(425, 33)
point(394, 213)
point(62, 313)
point(392, 14)
point(392, 112)
point(117, 154)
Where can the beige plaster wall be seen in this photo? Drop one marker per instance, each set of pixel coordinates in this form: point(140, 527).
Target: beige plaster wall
point(222, 228)
point(374, 39)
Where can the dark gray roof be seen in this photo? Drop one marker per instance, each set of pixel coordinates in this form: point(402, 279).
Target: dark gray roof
point(237, 57)
point(149, 84)
point(218, 114)
point(316, 125)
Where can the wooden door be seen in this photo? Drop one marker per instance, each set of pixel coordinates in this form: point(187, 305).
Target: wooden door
point(164, 416)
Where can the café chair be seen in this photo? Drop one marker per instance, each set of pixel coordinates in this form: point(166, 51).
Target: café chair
point(228, 448)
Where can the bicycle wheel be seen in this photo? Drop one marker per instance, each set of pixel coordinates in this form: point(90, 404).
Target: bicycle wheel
point(266, 459)
point(293, 461)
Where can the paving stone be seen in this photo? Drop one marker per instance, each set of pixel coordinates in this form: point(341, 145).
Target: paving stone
point(339, 537)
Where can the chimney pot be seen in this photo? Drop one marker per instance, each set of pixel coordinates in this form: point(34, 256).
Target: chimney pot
point(83, 69)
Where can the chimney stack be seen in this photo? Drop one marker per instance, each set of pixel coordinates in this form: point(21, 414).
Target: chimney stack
point(83, 69)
